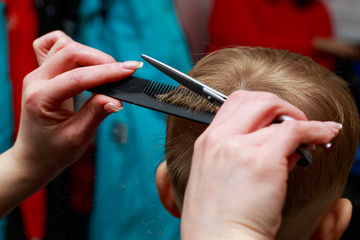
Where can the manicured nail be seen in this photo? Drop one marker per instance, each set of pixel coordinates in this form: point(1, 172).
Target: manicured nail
point(333, 125)
point(132, 65)
point(331, 132)
point(284, 118)
point(327, 146)
point(111, 108)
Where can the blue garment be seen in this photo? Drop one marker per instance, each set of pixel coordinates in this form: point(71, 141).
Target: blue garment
point(6, 128)
point(355, 170)
point(130, 143)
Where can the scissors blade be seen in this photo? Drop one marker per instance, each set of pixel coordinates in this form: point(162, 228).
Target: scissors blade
point(212, 95)
point(187, 81)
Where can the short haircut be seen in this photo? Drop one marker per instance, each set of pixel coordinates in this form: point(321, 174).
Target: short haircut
point(319, 93)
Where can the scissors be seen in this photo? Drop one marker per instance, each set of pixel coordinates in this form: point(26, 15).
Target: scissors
point(144, 93)
point(213, 96)
point(194, 85)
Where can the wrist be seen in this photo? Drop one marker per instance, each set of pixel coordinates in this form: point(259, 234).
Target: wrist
point(18, 180)
point(30, 168)
point(195, 232)
point(224, 235)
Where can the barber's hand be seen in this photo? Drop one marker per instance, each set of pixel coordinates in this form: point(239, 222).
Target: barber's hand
point(51, 135)
point(240, 167)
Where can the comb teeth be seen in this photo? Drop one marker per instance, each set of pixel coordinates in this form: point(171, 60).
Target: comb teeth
point(168, 94)
point(154, 88)
point(185, 92)
point(179, 96)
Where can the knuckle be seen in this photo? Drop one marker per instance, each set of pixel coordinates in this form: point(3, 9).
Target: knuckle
point(70, 49)
point(73, 52)
point(73, 45)
point(63, 42)
point(36, 43)
point(67, 48)
point(108, 59)
point(27, 79)
point(212, 139)
point(245, 156)
point(76, 78)
point(267, 97)
point(208, 139)
point(247, 160)
point(232, 148)
point(254, 161)
point(32, 98)
point(238, 93)
point(58, 33)
point(200, 142)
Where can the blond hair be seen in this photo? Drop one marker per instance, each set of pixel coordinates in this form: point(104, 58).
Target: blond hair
point(320, 94)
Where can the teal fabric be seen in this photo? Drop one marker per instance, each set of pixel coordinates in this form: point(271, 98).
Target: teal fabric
point(6, 129)
point(126, 203)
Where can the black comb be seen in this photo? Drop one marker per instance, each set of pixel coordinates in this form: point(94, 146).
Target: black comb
point(144, 93)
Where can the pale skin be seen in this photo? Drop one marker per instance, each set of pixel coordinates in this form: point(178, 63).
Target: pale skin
point(52, 136)
point(240, 166)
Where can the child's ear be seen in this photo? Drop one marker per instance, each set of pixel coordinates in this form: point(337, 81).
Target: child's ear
point(165, 190)
point(335, 221)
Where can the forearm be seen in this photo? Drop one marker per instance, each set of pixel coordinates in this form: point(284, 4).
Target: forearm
point(217, 233)
point(52, 136)
point(18, 181)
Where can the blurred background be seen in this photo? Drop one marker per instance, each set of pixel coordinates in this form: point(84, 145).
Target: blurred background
point(110, 192)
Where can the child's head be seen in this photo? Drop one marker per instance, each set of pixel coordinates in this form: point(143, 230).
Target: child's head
point(320, 94)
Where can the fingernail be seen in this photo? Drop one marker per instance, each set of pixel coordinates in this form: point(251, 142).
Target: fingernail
point(111, 108)
point(328, 146)
point(36, 43)
point(283, 118)
point(331, 132)
point(132, 65)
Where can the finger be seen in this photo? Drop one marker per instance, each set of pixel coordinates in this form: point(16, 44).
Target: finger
point(78, 80)
point(59, 44)
point(71, 56)
point(45, 43)
point(286, 137)
point(307, 132)
point(91, 114)
point(245, 111)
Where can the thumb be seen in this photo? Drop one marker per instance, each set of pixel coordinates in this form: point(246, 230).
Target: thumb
point(94, 111)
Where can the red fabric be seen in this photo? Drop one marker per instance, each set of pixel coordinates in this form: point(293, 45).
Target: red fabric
point(82, 182)
point(33, 211)
point(270, 23)
point(22, 31)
